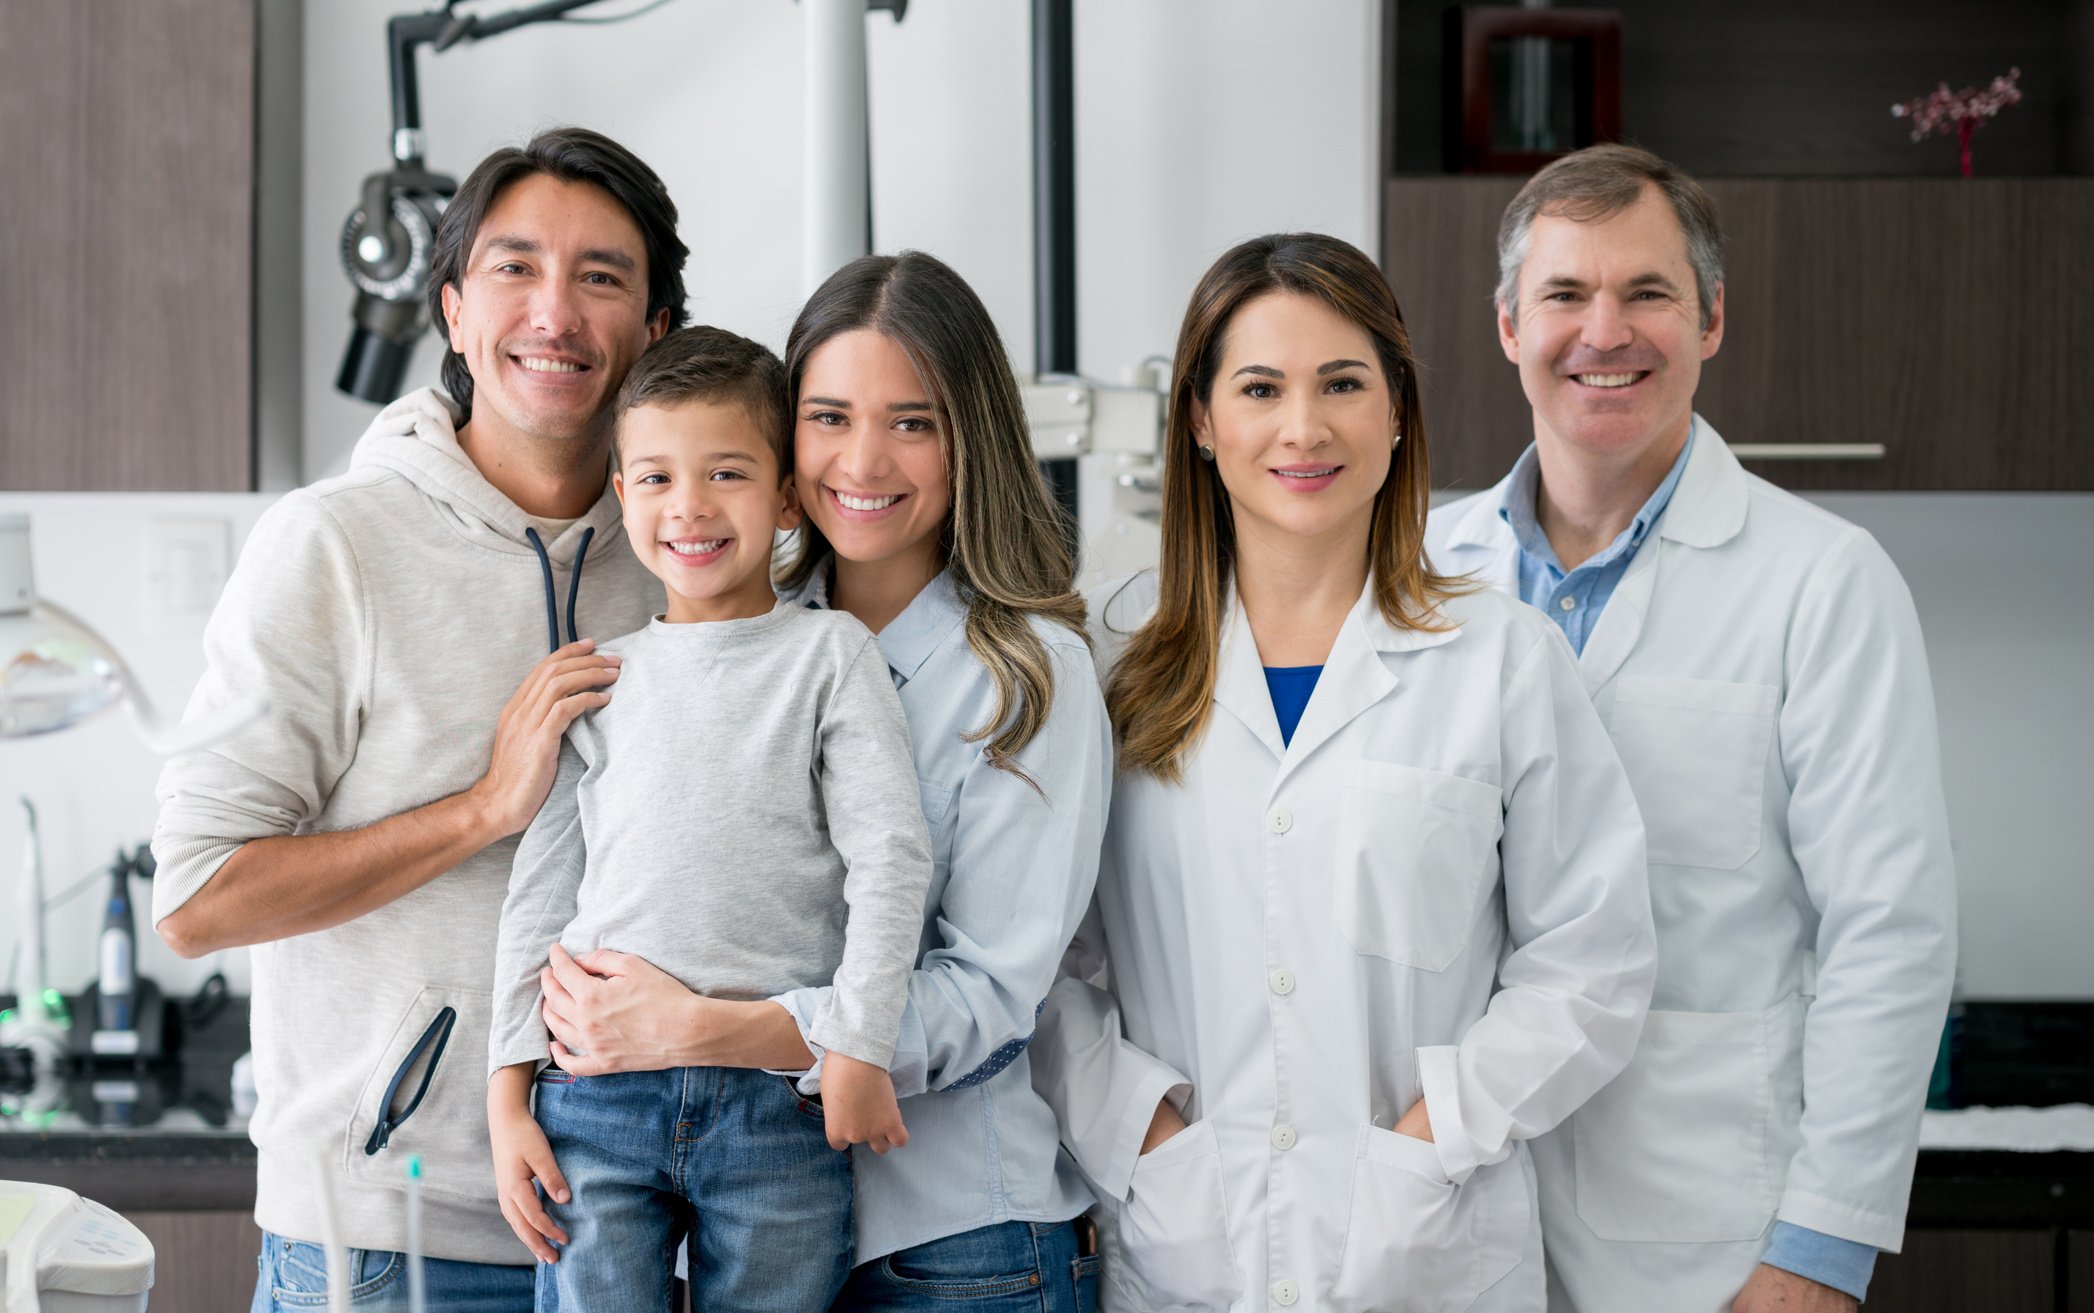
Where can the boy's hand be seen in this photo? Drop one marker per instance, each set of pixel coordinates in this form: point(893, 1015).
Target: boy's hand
point(521, 1153)
point(858, 1105)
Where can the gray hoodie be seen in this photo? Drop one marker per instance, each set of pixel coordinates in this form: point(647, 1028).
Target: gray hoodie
point(387, 615)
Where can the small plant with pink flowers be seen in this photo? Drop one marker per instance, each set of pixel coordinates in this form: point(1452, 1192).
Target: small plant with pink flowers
point(1961, 112)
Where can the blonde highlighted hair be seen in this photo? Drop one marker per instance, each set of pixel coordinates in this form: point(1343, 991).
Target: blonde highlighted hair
point(1005, 541)
point(1161, 692)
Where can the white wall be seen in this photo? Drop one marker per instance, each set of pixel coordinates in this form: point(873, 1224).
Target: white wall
point(1199, 123)
point(93, 785)
point(2002, 588)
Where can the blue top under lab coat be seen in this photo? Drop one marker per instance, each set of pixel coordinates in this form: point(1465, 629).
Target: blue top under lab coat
point(1012, 873)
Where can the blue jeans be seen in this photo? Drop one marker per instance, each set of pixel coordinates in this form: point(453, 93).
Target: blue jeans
point(294, 1276)
point(734, 1159)
point(1003, 1268)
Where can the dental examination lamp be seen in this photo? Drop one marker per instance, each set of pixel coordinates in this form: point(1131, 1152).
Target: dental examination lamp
point(55, 672)
point(390, 239)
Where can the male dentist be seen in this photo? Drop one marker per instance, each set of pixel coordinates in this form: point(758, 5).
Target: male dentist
point(1758, 663)
point(398, 619)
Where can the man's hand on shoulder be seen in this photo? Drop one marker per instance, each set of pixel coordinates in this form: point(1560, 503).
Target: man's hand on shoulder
point(1774, 1290)
point(527, 739)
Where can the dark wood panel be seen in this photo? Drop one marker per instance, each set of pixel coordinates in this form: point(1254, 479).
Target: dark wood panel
point(1944, 319)
point(1439, 250)
point(2079, 1281)
point(1959, 1271)
point(125, 244)
point(202, 1262)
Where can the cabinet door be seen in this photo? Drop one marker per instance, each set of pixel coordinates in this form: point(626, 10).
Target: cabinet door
point(126, 236)
point(1939, 318)
point(202, 1262)
point(1957, 1271)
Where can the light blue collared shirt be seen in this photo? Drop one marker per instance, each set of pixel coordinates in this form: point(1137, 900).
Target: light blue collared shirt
point(1011, 875)
point(1575, 599)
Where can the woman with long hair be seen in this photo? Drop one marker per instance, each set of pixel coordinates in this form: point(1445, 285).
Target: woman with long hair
point(1372, 910)
point(926, 518)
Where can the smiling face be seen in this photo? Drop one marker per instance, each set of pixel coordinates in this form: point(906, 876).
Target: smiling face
point(702, 496)
point(1301, 420)
point(551, 308)
point(1608, 337)
point(869, 453)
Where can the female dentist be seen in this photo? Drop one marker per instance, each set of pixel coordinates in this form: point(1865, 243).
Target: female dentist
point(927, 519)
point(1372, 910)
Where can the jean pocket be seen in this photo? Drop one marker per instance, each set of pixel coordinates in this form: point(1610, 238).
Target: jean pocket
point(300, 1278)
point(807, 1105)
point(986, 1263)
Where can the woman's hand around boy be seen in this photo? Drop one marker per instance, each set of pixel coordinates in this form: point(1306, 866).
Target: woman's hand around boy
point(521, 1155)
point(858, 1105)
point(611, 1012)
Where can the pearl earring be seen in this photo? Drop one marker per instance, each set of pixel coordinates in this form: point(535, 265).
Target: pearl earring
point(1207, 453)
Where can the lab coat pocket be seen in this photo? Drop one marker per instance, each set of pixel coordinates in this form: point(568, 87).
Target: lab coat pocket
point(1174, 1246)
point(1696, 755)
point(447, 1126)
point(1692, 1141)
point(1418, 1243)
point(1414, 849)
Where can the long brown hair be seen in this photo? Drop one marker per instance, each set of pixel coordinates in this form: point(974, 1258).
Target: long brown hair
point(1005, 540)
point(1162, 688)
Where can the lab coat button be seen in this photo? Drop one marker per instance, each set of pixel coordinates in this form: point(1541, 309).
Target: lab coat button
point(1282, 982)
point(1279, 820)
point(1284, 1293)
point(1283, 1136)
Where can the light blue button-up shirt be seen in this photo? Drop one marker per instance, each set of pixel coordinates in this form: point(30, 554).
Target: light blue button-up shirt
point(1574, 599)
point(1012, 872)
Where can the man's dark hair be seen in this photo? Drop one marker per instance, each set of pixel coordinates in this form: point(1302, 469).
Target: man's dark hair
point(704, 363)
point(571, 155)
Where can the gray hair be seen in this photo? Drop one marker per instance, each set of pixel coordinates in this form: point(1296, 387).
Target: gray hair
point(1598, 183)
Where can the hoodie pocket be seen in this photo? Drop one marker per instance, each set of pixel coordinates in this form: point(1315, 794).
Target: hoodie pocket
point(437, 1109)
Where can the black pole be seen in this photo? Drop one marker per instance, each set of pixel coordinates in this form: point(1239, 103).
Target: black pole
point(1054, 186)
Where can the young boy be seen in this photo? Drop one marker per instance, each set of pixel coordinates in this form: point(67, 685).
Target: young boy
point(744, 815)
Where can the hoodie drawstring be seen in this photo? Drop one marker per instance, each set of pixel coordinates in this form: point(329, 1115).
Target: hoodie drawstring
point(574, 586)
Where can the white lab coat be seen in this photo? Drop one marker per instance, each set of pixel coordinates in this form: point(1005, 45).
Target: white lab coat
point(1437, 888)
point(1761, 671)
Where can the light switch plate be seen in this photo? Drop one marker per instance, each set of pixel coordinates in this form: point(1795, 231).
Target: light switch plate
point(186, 564)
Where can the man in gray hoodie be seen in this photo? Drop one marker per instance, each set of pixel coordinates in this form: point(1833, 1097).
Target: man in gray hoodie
point(398, 618)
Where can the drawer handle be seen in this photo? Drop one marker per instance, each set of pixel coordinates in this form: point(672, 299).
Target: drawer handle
point(1808, 450)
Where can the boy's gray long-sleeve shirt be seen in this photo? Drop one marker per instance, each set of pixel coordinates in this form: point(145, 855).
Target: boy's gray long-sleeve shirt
point(744, 814)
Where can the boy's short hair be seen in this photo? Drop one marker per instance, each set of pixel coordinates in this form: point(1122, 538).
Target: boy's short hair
point(703, 363)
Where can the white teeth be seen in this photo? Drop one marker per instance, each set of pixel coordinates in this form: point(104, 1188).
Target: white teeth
point(1606, 380)
point(698, 549)
point(538, 366)
point(867, 503)
point(1306, 474)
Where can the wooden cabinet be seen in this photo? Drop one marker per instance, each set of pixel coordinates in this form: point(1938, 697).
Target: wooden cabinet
point(202, 1262)
point(1957, 1271)
point(129, 240)
point(1945, 319)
